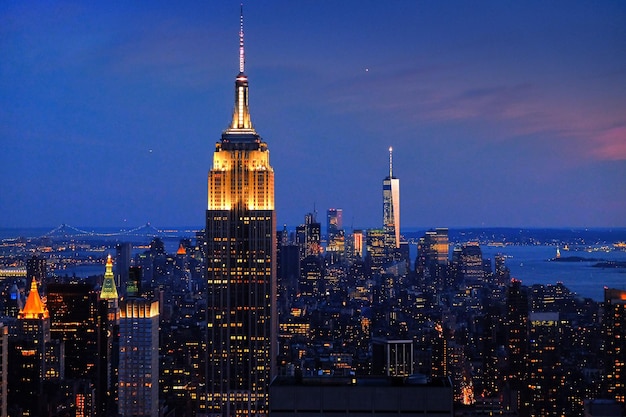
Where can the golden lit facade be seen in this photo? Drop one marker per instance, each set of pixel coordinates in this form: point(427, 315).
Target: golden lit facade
point(109, 289)
point(34, 308)
point(240, 266)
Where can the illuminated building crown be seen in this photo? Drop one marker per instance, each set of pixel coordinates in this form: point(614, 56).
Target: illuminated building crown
point(109, 290)
point(34, 307)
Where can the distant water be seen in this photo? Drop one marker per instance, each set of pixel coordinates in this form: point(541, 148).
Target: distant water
point(527, 263)
point(531, 265)
point(31, 232)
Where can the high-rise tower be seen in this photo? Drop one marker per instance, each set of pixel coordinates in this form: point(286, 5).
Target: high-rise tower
point(109, 322)
point(138, 389)
point(73, 318)
point(391, 208)
point(614, 332)
point(240, 265)
point(4, 368)
point(334, 230)
point(29, 365)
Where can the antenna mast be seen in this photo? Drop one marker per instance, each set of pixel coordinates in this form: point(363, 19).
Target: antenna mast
point(242, 59)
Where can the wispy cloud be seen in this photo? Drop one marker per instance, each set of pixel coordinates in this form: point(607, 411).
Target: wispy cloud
point(508, 110)
point(611, 143)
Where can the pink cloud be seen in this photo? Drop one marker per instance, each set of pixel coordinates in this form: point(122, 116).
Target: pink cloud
point(611, 144)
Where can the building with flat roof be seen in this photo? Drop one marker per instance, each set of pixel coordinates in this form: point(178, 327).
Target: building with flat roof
point(392, 357)
point(360, 396)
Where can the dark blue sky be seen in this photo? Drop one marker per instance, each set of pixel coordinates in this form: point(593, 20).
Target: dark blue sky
point(499, 113)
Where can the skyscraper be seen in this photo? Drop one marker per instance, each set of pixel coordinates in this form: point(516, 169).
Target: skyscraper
point(614, 329)
point(240, 265)
point(392, 357)
point(334, 222)
point(517, 342)
point(432, 257)
point(4, 368)
point(36, 268)
point(28, 366)
point(391, 208)
point(309, 236)
point(122, 264)
point(139, 358)
point(545, 374)
point(109, 321)
point(469, 264)
point(73, 318)
point(334, 230)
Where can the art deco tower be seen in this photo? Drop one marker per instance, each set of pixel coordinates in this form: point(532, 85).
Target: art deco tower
point(240, 265)
point(391, 208)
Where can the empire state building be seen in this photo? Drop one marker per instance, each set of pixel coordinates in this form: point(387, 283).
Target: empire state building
point(240, 265)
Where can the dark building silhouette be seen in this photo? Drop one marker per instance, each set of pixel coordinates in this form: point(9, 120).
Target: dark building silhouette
point(73, 320)
point(517, 343)
point(311, 276)
point(29, 358)
point(122, 264)
point(432, 258)
point(545, 376)
point(614, 330)
point(109, 348)
point(36, 269)
point(289, 268)
point(361, 396)
point(376, 253)
point(4, 368)
point(469, 264)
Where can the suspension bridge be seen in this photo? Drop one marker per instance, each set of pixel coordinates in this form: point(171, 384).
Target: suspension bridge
point(146, 230)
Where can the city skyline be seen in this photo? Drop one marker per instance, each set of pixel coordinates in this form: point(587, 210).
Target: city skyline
point(500, 114)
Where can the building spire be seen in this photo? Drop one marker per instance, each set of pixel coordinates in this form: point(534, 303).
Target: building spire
point(109, 290)
point(390, 162)
point(241, 113)
point(242, 57)
point(34, 307)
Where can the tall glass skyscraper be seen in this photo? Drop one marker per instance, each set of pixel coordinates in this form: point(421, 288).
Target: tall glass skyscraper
point(391, 208)
point(240, 265)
